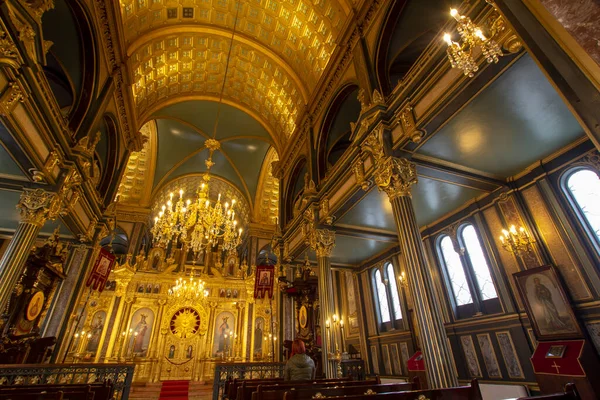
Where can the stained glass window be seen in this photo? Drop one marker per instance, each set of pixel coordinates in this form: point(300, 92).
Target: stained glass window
point(479, 263)
point(456, 272)
point(394, 291)
point(384, 306)
point(584, 186)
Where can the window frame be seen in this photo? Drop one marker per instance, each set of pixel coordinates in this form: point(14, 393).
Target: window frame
point(478, 306)
point(575, 209)
point(393, 323)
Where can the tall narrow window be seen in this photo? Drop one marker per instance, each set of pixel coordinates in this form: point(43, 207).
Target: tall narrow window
point(584, 188)
point(468, 273)
point(394, 291)
point(456, 272)
point(384, 306)
point(480, 266)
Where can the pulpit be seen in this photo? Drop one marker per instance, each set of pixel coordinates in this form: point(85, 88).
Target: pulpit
point(29, 303)
point(416, 368)
point(559, 362)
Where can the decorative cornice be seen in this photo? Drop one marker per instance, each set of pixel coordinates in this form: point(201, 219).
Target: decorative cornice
point(9, 99)
point(37, 206)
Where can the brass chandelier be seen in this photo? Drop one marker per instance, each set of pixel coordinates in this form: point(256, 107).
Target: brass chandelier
point(202, 223)
point(188, 289)
point(461, 54)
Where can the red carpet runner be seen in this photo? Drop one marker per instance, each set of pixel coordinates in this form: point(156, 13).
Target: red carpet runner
point(174, 390)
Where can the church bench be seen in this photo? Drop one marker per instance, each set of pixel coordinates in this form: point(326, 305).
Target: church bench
point(97, 391)
point(276, 392)
point(471, 392)
point(245, 390)
point(308, 393)
point(569, 394)
point(34, 396)
point(232, 384)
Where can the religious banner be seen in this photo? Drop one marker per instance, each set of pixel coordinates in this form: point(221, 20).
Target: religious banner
point(264, 281)
point(102, 267)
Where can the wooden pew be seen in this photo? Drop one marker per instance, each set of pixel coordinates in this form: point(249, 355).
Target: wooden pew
point(232, 385)
point(34, 396)
point(276, 392)
point(569, 394)
point(471, 392)
point(308, 393)
point(96, 391)
point(245, 390)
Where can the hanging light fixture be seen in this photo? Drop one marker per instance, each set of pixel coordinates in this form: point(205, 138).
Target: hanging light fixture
point(461, 54)
point(189, 289)
point(202, 223)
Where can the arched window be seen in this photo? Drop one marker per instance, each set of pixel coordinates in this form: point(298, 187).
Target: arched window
point(384, 305)
point(394, 291)
point(583, 188)
point(468, 273)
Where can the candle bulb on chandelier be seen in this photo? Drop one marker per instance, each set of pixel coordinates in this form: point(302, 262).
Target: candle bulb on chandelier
point(454, 13)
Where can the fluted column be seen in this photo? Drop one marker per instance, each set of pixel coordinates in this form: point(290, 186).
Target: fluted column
point(396, 176)
point(35, 208)
point(323, 243)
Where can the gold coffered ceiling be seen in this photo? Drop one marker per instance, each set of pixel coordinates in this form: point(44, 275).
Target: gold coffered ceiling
point(187, 65)
point(300, 32)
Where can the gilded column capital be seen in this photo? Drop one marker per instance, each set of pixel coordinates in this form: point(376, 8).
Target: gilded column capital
point(323, 242)
point(36, 206)
point(395, 176)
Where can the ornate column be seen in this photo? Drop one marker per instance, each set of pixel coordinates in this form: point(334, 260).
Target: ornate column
point(36, 207)
point(323, 242)
point(396, 176)
point(156, 334)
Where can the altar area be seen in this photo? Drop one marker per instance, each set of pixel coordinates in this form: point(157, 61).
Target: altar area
point(169, 336)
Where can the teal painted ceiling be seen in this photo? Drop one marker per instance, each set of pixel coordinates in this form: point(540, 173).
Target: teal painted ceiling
point(516, 121)
point(202, 114)
point(373, 211)
point(351, 250)
point(184, 127)
point(8, 166)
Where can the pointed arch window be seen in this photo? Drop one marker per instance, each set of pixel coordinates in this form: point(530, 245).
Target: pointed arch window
point(582, 186)
point(467, 273)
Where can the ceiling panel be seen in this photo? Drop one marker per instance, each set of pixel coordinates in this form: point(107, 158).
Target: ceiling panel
point(351, 250)
point(514, 122)
point(8, 166)
point(373, 211)
point(433, 199)
point(247, 156)
point(202, 114)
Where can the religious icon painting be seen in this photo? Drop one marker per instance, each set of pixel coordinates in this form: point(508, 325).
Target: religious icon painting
point(547, 304)
point(224, 330)
point(141, 325)
point(259, 331)
point(511, 360)
point(97, 325)
point(470, 356)
point(303, 317)
point(35, 306)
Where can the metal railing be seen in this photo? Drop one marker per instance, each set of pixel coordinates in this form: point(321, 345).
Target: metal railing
point(120, 375)
point(224, 371)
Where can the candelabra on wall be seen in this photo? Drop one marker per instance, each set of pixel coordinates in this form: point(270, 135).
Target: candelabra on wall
point(516, 241)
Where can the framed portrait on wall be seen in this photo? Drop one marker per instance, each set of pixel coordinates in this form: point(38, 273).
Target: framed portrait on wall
point(547, 304)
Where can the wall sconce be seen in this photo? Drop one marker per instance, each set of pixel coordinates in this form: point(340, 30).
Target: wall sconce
point(402, 279)
point(516, 241)
point(460, 53)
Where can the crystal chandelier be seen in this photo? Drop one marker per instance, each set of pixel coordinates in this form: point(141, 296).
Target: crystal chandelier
point(200, 224)
point(461, 54)
point(188, 289)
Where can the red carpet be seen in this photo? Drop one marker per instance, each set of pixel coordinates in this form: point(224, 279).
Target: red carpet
point(174, 390)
